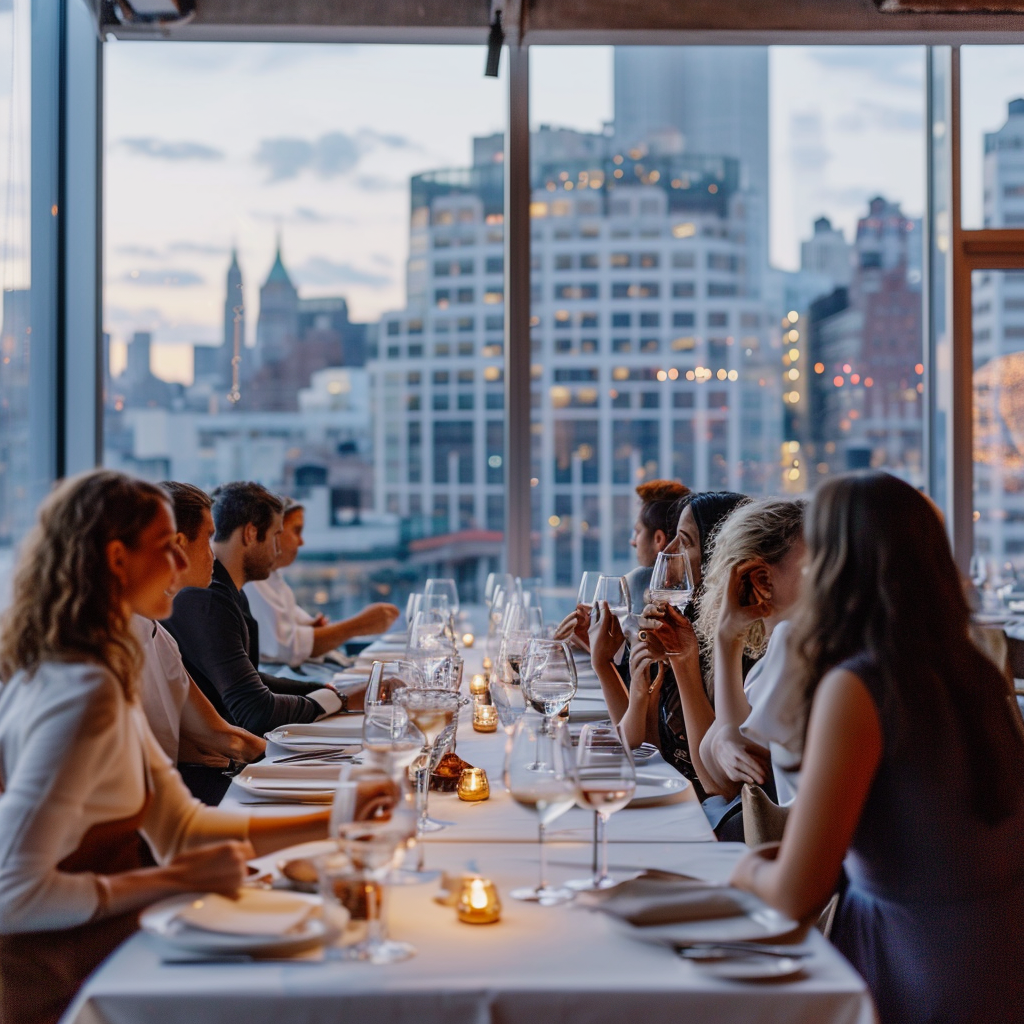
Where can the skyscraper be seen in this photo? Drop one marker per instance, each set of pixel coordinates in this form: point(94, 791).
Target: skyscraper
point(232, 300)
point(278, 325)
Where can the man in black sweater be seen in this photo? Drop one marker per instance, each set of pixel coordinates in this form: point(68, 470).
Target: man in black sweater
point(218, 637)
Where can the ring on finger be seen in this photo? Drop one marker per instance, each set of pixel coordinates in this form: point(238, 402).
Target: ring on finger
point(642, 636)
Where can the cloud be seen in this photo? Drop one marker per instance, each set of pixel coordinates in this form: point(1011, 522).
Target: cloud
point(893, 66)
point(168, 277)
point(382, 259)
point(375, 183)
point(330, 156)
point(301, 215)
point(198, 248)
point(881, 117)
point(807, 148)
point(321, 272)
point(141, 251)
point(171, 150)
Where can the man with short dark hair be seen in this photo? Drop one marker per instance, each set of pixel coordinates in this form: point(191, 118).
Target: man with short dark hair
point(217, 635)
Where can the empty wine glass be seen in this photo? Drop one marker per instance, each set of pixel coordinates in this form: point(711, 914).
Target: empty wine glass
point(510, 655)
point(606, 782)
point(432, 711)
point(540, 775)
point(671, 581)
point(548, 676)
point(444, 588)
point(588, 586)
point(431, 647)
point(615, 592)
point(509, 701)
point(390, 739)
point(388, 676)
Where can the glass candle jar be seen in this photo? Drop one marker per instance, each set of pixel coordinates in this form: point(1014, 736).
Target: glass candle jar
point(478, 901)
point(473, 785)
point(485, 718)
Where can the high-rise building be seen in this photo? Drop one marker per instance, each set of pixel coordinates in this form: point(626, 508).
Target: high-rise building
point(277, 328)
point(15, 470)
point(233, 301)
point(653, 355)
point(864, 347)
point(998, 322)
point(827, 254)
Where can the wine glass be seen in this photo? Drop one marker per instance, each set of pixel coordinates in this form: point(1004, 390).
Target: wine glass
point(510, 655)
point(613, 590)
point(357, 873)
point(391, 740)
point(588, 587)
point(432, 711)
point(540, 775)
point(671, 581)
point(388, 676)
point(509, 701)
point(430, 646)
point(606, 782)
point(412, 606)
point(444, 588)
point(548, 676)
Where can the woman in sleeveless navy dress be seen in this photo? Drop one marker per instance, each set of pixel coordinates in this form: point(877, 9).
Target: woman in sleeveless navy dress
point(912, 768)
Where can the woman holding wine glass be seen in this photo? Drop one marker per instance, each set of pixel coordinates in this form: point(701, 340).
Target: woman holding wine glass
point(666, 701)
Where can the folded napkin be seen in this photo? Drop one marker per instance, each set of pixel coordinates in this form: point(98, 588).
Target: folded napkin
point(255, 912)
point(653, 899)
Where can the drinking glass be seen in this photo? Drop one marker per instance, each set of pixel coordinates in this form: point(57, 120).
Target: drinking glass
point(390, 739)
point(357, 873)
point(510, 655)
point(588, 587)
point(540, 775)
point(431, 647)
point(444, 588)
point(432, 711)
point(509, 701)
point(606, 782)
point(671, 581)
point(388, 676)
point(548, 676)
point(614, 590)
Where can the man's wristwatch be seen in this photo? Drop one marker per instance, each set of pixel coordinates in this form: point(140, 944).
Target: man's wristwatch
point(343, 697)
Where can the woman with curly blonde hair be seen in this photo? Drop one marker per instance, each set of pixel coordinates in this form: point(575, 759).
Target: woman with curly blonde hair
point(750, 588)
point(88, 798)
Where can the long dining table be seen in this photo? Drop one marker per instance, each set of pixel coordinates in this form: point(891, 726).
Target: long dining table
point(538, 964)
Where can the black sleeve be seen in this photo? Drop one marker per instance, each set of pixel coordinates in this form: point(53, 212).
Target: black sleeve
point(279, 684)
point(210, 628)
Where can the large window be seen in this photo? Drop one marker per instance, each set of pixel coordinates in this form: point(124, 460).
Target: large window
point(15, 326)
point(727, 278)
point(305, 287)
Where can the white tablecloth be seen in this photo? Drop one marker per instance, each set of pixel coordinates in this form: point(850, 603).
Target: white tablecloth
point(542, 965)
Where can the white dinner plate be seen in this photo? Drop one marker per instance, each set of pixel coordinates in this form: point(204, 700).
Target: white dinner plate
point(654, 790)
point(303, 783)
point(752, 968)
point(162, 922)
point(338, 731)
point(760, 922)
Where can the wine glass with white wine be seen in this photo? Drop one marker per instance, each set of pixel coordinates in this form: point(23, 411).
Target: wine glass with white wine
point(672, 581)
point(544, 784)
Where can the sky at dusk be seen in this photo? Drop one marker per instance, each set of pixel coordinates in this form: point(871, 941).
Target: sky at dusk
point(214, 145)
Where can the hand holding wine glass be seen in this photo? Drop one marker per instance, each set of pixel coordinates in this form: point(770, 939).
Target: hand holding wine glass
point(548, 676)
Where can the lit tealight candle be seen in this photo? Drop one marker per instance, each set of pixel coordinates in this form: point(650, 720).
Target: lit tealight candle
point(488, 664)
point(467, 639)
point(485, 718)
point(478, 901)
point(473, 785)
point(478, 686)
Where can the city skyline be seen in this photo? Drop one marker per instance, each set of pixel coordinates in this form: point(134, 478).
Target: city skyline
point(571, 86)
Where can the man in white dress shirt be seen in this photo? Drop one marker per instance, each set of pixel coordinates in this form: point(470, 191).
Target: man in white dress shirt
point(290, 635)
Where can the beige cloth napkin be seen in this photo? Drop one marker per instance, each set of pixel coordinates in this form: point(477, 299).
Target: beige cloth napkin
point(255, 912)
point(652, 900)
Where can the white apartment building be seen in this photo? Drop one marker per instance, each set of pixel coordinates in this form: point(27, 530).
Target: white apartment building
point(998, 321)
point(653, 354)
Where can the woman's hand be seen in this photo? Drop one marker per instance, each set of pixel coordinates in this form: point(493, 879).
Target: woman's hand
point(669, 632)
point(743, 875)
point(747, 598)
point(605, 635)
point(739, 758)
point(218, 867)
point(575, 627)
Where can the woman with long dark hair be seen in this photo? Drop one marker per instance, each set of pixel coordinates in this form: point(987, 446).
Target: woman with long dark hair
point(912, 767)
point(667, 702)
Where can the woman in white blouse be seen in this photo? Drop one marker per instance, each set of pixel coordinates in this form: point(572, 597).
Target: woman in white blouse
point(83, 782)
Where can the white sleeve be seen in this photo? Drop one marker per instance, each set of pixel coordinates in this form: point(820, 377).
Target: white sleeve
point(282, 638)
point(43, 815)
point(175, 820)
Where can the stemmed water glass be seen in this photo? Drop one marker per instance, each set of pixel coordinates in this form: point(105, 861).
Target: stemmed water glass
point(388, 676)
point(587, 589)
point(540, 775)
point(432, 711)
point(447, 589)
point(672, 581)
point(614, 591)
point(605, 782)
point(431, 647)
point(548, 676)
point(361, 866)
